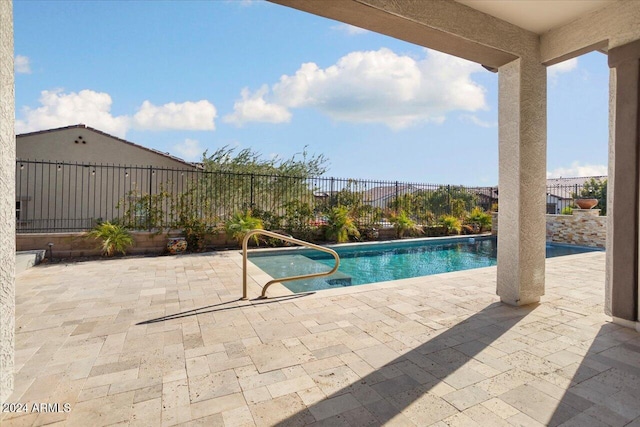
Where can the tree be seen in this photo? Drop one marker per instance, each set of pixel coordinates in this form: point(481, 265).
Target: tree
point(451, 199)
point(239, 180)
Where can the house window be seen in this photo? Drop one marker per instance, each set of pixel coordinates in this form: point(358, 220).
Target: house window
point(18, 210)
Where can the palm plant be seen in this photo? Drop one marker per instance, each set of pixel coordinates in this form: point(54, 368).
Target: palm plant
point(402, 224)
point(480, 218)
point(241, 223)
point(340, 225)
point(451, 223)
point(114, 238)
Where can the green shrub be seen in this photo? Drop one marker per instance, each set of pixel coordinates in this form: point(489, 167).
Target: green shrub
point(480, 218)
point(240, 224)
point(340, 225)
point(567, 210)
point(114, 238)
point(451, 223)
point(403, 224)
point(195, 232)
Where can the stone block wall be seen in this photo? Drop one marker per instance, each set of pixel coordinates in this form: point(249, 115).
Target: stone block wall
point(584, 228)
point(67, 245)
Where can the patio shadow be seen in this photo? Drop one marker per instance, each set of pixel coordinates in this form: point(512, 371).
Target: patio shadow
point(604, 388)
point(219, 307)
point(410, 387)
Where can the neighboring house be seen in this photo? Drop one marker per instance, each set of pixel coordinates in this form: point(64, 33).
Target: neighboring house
point(561, 191)
point(67, 178)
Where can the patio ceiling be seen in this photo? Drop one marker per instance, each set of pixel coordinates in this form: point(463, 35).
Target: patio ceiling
point(534, 15)
point(491, 32)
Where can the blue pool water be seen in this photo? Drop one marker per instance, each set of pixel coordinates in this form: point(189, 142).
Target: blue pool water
point(379, 262)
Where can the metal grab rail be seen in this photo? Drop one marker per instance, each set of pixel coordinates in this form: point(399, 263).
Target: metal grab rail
point(252, 233)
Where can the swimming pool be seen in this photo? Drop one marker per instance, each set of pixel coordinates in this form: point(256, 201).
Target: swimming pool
point(379, 262)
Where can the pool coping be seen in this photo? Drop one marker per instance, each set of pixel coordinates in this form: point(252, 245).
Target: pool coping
point(375, 242)
point(278, 289)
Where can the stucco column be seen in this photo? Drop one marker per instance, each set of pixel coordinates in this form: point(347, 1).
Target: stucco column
point(622, 205)
point(522, 181)
point(7, 201)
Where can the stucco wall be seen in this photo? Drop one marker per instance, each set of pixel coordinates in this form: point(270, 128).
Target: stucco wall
point(66, 195)
point(7, 197)
point(85, 145)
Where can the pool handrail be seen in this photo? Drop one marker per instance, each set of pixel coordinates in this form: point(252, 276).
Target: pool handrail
point(245, 243)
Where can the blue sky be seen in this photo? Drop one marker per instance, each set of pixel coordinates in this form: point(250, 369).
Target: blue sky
point(183, 77)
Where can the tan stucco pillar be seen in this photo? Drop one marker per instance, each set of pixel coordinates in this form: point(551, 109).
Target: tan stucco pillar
point(7, 202)
point(622, 205)
point(522, 181)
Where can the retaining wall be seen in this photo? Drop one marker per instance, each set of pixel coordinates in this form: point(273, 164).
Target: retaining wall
point(77, 244)
point(584, 228)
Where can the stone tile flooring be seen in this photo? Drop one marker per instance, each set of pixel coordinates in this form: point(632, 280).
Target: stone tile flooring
point(164, 341)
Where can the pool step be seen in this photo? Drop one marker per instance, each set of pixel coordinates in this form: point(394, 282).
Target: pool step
point(298, 265)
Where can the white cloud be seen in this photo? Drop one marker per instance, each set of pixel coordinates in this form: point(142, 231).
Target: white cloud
point(562, 67)
point(22, 64)
point(188, 115)
point(254, 108)
point(470, 118)
point(382, 87)
point(578, 170)
point(190, 150)
point(351, 30)
point(58, 109)
point(63, 109)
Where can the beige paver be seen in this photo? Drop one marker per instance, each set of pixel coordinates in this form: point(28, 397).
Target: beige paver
point(165, 341)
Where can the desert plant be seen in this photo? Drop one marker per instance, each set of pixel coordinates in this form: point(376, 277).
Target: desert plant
point(402, 224)
point(480, 218)
point(340, 225)
point(452, 224)
point(240, 224)
point(270, 220)
point(114, 238)
point(195, 231)
point(298, 217)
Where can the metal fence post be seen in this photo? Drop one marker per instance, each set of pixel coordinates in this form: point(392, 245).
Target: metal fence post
point(251, 203)
point(149, 206)
point(397, 199)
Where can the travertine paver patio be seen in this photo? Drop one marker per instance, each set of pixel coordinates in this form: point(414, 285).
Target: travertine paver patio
point(164, 341)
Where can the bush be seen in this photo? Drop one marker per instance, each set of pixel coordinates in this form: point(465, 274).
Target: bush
point(195, 231)
point(240, 224)
point(451, 223)
point(403, 224)
point(340, 225)
point(114, 238)
point(567, 210)
point(480, 218)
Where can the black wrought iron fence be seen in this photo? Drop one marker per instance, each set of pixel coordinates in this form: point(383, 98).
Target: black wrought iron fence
point(61, 196)
point(562, 193)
